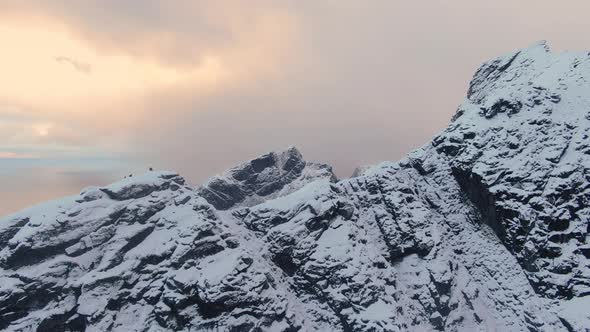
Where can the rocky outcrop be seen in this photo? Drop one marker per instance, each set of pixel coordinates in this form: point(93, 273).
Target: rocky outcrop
point(484, 228)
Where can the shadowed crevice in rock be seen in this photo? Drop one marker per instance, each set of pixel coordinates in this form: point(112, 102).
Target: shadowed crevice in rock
point(284, 261)
point(477, 192)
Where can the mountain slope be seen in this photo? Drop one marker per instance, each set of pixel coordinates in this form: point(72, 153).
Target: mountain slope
point(485, 228)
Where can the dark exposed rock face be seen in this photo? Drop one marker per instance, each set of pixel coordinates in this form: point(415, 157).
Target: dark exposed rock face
point(485, 228)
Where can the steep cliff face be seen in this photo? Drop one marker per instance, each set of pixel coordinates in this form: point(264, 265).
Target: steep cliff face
point(485, 228)
point(519, 147)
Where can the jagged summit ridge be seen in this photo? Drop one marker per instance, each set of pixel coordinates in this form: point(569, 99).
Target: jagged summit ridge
point(484, 228)
point(268, 176)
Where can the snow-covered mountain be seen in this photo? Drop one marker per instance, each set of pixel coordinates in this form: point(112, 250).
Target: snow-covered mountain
point(486, 228)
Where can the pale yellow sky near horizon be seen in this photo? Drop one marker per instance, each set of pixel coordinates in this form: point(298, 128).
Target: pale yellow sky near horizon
point(201, 85)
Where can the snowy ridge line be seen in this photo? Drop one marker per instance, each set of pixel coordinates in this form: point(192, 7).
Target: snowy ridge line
point(486, 228)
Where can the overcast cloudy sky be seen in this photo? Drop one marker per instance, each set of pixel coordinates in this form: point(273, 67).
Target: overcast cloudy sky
point(92, 90)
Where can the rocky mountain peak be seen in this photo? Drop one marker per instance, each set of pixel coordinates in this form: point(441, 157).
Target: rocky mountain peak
point(268, 176)
point(519, 148)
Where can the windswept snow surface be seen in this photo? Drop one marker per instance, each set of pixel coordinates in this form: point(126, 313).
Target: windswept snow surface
point(486, 228)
